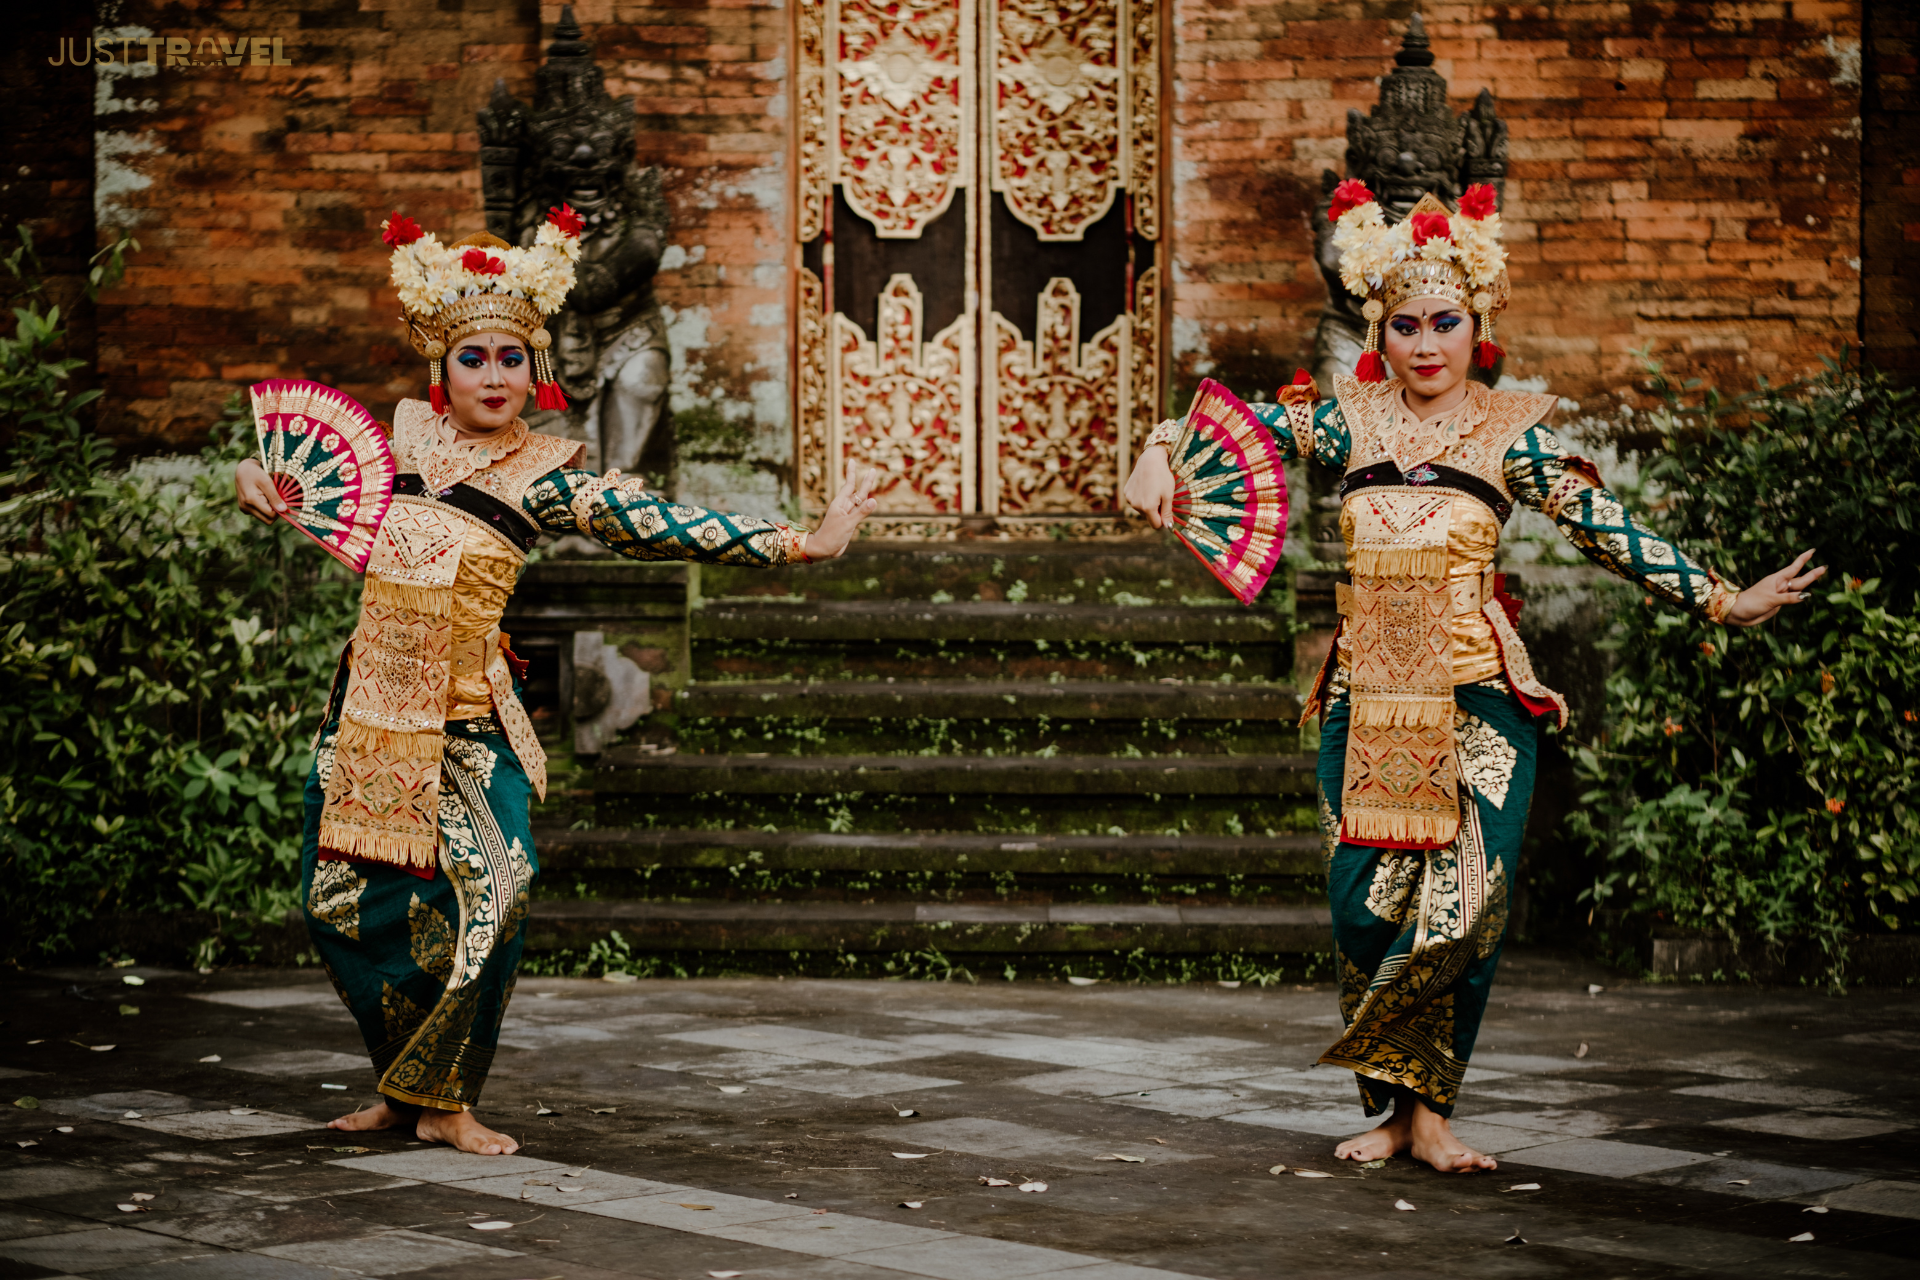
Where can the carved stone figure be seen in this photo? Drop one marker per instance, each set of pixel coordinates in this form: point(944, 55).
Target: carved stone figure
point(1408, 145)
point(576, 145)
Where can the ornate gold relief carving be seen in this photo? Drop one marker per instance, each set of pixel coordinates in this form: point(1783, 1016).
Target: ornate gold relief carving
point(904, 407)
point(812, 462)
point(1144, 365)
point(810, 75)
point(902, 94)
point(1058, 412)
point(1143, 108)
point(1056, 117)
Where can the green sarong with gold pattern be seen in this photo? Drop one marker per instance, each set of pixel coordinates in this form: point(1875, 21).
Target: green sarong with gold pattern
point(427, 965)
point(1417, 932)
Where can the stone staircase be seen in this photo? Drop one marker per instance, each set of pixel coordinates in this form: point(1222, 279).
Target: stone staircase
point(1060, 757)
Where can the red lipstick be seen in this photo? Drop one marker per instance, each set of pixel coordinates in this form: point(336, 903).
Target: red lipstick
point(494, 402)
point(1428, 370)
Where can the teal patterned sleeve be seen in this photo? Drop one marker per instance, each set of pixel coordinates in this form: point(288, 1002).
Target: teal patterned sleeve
point(1566, 488)
point(1331, 440)
point(621, 516)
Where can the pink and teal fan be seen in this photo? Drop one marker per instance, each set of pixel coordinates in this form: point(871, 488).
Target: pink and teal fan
point(329, 462)
point(1230, 491)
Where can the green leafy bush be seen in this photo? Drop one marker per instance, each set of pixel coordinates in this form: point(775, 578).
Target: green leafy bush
point(162, 662)
point(1764, 781)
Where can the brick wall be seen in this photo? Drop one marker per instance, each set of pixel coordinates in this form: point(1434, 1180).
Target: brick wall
point(1890, 220)
point(1685, 175)
point(257, 193)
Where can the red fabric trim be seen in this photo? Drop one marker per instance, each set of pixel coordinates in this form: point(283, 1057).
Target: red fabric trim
point(1388, 844)
point(425, 873)
point(514, 660)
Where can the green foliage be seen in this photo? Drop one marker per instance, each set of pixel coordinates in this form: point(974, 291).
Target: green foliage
point(162, 660)
point(1763, 781)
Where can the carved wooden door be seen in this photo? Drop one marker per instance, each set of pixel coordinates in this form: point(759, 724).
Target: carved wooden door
point(978, 292)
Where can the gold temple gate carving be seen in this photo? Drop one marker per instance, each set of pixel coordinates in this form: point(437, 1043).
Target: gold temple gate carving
point(977, 231)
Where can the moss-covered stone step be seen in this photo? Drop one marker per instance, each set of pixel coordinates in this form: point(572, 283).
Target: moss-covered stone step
point(563, 850)
point(933, 735)
point(992, 700)
point(1154, 568)
point(630, 770)
point(1264, 661)
point(864, 621)
point(961, 929)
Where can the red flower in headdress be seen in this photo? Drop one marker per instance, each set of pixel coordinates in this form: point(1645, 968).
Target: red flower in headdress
point(1477, 202)
point(480, 262)
point(399, 230)
point(1431, 226)
point(569, 222)
point(1350, 194)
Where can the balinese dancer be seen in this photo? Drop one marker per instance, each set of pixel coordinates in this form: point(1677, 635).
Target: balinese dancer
point(1427, 702)
point(418, 859)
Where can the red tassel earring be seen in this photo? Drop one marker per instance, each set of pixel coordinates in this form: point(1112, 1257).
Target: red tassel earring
point(1371, 367)
point(1487, 352)
point(546, 388)
point(436, 392)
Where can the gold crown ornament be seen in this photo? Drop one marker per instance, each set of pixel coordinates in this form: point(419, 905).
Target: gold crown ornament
point(482, 284)
point(1433, 252)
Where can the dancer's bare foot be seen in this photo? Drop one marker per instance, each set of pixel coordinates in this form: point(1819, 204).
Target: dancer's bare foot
point(1394, 1135)
point(381, 1115)
point(1434, 1143)
point(459, 1130)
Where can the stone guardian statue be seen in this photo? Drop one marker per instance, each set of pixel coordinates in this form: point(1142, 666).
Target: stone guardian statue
point(575, 145)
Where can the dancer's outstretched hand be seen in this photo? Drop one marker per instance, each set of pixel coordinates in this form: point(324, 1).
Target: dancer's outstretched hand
point(254, 492)
point(849, 507)
point(1766, 597)
point(1150, 488)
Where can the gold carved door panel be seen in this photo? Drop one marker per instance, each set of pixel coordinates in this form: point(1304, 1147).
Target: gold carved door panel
point(979, 192)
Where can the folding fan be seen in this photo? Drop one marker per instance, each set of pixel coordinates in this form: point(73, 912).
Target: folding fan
point(1230, 491)
point(329, 462)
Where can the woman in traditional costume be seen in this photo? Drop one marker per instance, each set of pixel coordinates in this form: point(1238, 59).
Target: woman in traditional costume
point(418, 859)
point(1427, 701)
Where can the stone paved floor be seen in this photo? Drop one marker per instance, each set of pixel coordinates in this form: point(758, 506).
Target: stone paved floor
point(709, 1128)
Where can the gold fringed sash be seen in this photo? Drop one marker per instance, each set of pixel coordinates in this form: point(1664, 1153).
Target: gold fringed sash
point(1402, 777)
point(383, 799)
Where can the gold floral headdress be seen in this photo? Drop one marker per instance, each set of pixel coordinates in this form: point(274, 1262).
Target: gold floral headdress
point(1432, 252)
point(481, 284)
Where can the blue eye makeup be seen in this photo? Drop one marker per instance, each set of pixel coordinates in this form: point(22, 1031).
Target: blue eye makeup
point(512, 360)
point(471, 359)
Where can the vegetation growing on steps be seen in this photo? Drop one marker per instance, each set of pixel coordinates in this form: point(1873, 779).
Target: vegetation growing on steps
point(748, 881)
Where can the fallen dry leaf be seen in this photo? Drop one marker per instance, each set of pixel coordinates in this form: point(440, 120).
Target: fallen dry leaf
point(1403, 1206)
point(97, 1048)
point(601, 1111)
point(65, 1128)
point(1815, 1208)
point(133, 980)
point(1374, 1164)
point(133, 1208)
point(1161, 1141)
point(1581, 1052)
point(911, 1204)
point(337, 1088)
point(536, 1182)
point(1277, 1169)
point(141, 1195)
point(1516, 1238)
point(697, 1206)
point(1231, 986)
point(995, 1182)
point(1310, 1173)
point(1128, 1159)
point(542, 1109)
point(793, 1195)
point(27, 1142)
point(913, 1155)
point(1083, 982)
point(1802, 1238)
point(27, 1103)
point(725, 1275)
point(491, 1225)
point(242, 1111)
point(1524, 1186)
point(1740, 1182)
point(132, 1115)
point(212, 1057)
point(1594, 988)
point(129, 1010)
point(36, 1042)
point(732, 1088)
point(1035, 1187)
point(908, 1112)
point(573, 1173)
